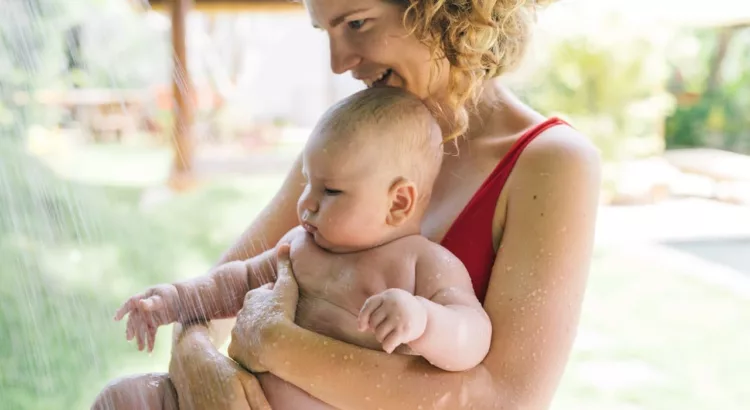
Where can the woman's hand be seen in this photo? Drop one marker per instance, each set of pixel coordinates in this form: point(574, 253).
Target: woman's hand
point(267, 310)
point(206, 379)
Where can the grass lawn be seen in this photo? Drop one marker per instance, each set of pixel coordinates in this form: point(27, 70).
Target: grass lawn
point(72, 250)
point(654, 338)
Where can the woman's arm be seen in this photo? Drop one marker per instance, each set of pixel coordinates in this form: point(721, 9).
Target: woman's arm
point(533, 301)
point(210, 380)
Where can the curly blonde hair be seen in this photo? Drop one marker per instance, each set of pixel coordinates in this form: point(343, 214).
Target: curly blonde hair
point(481, 39)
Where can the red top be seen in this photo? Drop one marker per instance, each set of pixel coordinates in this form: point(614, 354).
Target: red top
point(470, 236)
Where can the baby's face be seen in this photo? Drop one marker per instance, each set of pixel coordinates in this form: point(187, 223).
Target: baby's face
point(346, 199)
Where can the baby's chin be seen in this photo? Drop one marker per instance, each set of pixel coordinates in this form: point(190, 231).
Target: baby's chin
point(335, 247)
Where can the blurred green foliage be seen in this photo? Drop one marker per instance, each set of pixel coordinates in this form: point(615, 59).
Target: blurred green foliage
point(72, 252)
point(712, 87)
point(609, 85)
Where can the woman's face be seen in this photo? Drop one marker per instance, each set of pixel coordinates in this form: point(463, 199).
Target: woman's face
point(368, 38)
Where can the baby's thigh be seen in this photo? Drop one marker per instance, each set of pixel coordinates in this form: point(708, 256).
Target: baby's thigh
point(150, 391)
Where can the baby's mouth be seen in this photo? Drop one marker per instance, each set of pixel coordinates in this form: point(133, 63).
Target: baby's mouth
point(309, 227)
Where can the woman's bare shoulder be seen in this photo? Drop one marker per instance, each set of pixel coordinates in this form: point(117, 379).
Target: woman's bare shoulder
point(558, 153)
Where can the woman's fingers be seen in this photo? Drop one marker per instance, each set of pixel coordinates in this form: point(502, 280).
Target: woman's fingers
point(253, 391)
point(286, 285)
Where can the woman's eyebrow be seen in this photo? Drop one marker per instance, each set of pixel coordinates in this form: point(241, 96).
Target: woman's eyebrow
point(340, 18)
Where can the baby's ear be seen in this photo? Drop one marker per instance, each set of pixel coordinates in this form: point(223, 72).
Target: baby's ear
point(403, 197)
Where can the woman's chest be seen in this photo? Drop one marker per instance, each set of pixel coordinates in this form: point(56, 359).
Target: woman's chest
point(456, 185)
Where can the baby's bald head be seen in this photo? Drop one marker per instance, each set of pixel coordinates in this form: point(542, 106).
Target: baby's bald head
point(387, 125)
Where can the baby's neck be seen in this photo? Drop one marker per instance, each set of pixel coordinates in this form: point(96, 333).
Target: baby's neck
point(408, 229)
point(394, 234)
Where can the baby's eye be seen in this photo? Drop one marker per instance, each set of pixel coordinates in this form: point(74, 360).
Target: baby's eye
point(332, 192)
point(356, 24)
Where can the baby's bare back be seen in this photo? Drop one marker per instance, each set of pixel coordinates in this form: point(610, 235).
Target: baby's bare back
point(333, 288)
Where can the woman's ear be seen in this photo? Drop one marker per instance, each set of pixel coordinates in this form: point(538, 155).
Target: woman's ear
point(403, 202)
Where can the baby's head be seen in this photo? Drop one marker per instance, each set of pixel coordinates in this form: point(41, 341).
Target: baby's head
point(370, 164)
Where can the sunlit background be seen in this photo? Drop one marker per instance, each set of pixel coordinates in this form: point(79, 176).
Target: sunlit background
point(95, 205)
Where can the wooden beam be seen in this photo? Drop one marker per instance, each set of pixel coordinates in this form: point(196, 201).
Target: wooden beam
point(218, 6)
point(182, 89)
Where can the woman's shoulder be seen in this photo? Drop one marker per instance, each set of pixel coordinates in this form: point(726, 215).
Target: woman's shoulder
point(560, 146)
point(558, 155)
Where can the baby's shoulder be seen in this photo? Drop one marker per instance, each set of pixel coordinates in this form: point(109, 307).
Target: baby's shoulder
point(297, 238)
point(424, 250)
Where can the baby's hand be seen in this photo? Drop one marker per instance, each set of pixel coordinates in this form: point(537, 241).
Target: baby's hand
point(147, 311)
point(396, 317)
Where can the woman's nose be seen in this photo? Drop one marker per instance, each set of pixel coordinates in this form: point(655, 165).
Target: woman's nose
point(343, 58)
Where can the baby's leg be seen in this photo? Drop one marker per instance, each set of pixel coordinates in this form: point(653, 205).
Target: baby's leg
point(152, 391)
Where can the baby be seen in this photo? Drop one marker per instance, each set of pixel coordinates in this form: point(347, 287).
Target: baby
point(366, 276)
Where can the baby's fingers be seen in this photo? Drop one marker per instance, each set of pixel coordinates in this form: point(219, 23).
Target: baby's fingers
point(385, 329)
point(142, 335)
point(151, 304)
point(156, 310)
point(392, 341)
point(128, 306)
point(131, 327)
point(151, 333)
point(371, 304)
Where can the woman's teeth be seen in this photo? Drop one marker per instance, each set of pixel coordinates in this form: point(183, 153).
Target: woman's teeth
point(379, 78)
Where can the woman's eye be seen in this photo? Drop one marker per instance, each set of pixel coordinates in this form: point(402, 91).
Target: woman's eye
point(331, 192)
point(356, 24)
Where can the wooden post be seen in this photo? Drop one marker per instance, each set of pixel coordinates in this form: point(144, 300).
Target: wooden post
point(181, 177)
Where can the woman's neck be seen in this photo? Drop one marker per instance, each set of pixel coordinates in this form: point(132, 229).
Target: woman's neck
point(499, 113)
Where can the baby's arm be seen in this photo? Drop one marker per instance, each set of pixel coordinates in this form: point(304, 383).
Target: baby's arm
point(220, 293)
point(458, 331)
point(217, 295)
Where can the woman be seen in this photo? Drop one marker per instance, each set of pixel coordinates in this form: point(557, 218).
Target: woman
point(526, 236)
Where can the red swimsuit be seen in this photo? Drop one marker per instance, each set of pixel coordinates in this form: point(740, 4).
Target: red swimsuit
point(470, 236)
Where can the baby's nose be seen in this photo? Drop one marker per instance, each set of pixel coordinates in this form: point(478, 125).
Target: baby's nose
point(309, 205)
